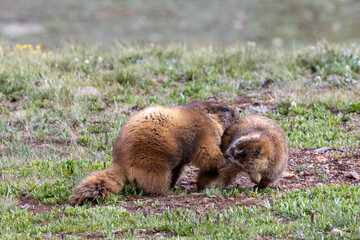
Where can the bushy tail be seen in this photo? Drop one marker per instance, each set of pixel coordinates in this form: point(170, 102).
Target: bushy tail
point(98, 185)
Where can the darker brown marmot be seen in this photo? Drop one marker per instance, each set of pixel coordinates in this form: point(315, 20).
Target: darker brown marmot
point(156, 143)
point(255, 145)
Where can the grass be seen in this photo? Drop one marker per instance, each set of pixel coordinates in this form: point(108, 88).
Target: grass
point(53, 133)
point(289, 216)
point(315, 127)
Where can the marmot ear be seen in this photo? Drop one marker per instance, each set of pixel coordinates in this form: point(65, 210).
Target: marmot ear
point(257, 152)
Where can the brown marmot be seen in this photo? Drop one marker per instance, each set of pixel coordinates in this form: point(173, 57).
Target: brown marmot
point(255, 145)
point(155, 144)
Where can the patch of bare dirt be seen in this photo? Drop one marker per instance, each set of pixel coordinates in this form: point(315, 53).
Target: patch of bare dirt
point(261, 98)
point(316, 169)
point(33, 142)
point(34, 205)
point(196, 201)
point(310, 169)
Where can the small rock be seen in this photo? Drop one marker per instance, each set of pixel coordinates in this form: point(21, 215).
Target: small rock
point(252, 95)
point(159, 235)
point(352, 175)
point(342, 167)
point(321, 150)
point(205, 200)
point(336, 232)
point(211, 205)
point(321, 159)
point(289, 175)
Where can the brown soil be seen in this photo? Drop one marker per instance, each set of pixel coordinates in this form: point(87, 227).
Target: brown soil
point(34, 205)
point(311, 170)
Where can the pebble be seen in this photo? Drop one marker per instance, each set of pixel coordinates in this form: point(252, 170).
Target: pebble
point(352, 175)
point(336, 232)
point(322, 150)
point(321, 159)
point(342, 167)
point(159, 235)
point(211, 205)
point(205, 200)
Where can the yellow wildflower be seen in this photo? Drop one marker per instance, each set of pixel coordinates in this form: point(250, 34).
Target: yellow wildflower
point(12, 53)
point(38, 47)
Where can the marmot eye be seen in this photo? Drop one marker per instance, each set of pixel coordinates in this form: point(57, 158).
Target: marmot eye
point(257, 152)
point(240, 154)
point(224, 109)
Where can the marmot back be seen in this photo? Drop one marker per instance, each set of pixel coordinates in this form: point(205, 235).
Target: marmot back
point(156, 143)
point(255, 145)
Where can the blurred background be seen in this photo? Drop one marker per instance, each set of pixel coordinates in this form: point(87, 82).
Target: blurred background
point(269, 23)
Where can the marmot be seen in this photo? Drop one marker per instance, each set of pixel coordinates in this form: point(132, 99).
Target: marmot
point(155, 144)
point(255, 145)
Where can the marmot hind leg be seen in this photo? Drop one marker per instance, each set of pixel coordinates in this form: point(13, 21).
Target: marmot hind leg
point(153, 181)
point(228, 175)
point(205, 178)
point(176, 172)
point(97, 185)
point(210, 162)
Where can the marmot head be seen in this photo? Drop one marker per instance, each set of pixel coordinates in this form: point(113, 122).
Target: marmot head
point(250, 152)
point(225, 114)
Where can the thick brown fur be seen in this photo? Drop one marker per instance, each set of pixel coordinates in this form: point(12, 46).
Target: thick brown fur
point(155, 144)
point(255, 145)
